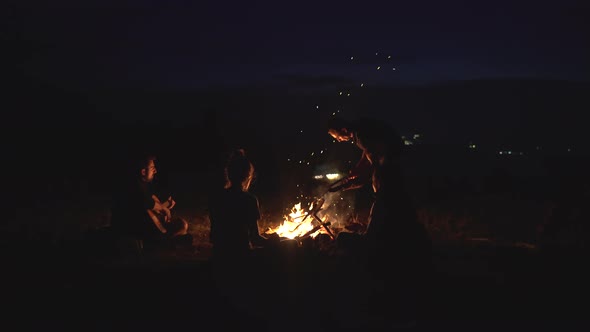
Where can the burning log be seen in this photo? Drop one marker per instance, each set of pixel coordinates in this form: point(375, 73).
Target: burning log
point(317, 206)
point(325, 226)
point(314, 229)
point(294, 229)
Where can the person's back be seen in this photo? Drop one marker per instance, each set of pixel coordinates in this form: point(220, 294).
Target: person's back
point(234, 211)
point(231, 211)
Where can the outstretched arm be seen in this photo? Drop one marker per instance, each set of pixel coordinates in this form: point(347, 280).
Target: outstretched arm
point(357, 177)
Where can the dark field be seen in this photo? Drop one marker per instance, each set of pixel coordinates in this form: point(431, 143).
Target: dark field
point(509, 253)
point(474, 286)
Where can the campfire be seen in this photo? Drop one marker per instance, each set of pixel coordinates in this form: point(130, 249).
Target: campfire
point(300, 223)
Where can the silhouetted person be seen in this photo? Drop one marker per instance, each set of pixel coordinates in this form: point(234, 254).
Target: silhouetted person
point(396, 245)
point(239, 263)
point(234, 212)
point(137, 212)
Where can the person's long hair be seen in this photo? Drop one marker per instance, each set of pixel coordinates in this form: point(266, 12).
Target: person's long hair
point(239, 171)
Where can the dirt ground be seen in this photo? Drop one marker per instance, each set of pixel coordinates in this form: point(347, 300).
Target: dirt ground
point(474, 286)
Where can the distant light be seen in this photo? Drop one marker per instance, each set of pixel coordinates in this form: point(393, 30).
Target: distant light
point(317, 106)
point(500, 152)
point(318, 177)
point(341, 93)
point(334, 113)
point(351, 58)
point(322, 151)
point(378, 67)
point(362, 84)
point(408, 142)
point(288, 159)
point(393, 68)
point(348, 94)
point(301, 130)
point(389, 56)
point(569, 150)
point(332, 176)
point(377, 53)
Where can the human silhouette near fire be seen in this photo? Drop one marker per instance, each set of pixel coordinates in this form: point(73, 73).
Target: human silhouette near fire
point(234, 212)
point(394, 244)
point(138, 212)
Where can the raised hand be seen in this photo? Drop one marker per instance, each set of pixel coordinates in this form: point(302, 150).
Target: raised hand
point(170, 203)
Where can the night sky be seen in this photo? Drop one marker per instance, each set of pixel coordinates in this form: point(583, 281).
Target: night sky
point(499, 73)
point(185, 44)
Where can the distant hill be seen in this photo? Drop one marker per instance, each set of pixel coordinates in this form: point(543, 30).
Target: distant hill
point(511, 113)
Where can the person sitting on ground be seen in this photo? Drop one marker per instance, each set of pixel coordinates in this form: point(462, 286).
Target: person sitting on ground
point(137, 212)
point(240, 256)
point(234, 212)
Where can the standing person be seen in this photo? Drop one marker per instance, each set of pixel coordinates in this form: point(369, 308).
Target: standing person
point(234, 212)
point(396, 245)
point(137, 212)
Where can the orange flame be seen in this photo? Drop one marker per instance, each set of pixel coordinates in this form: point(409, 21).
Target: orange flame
point(296, 224)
